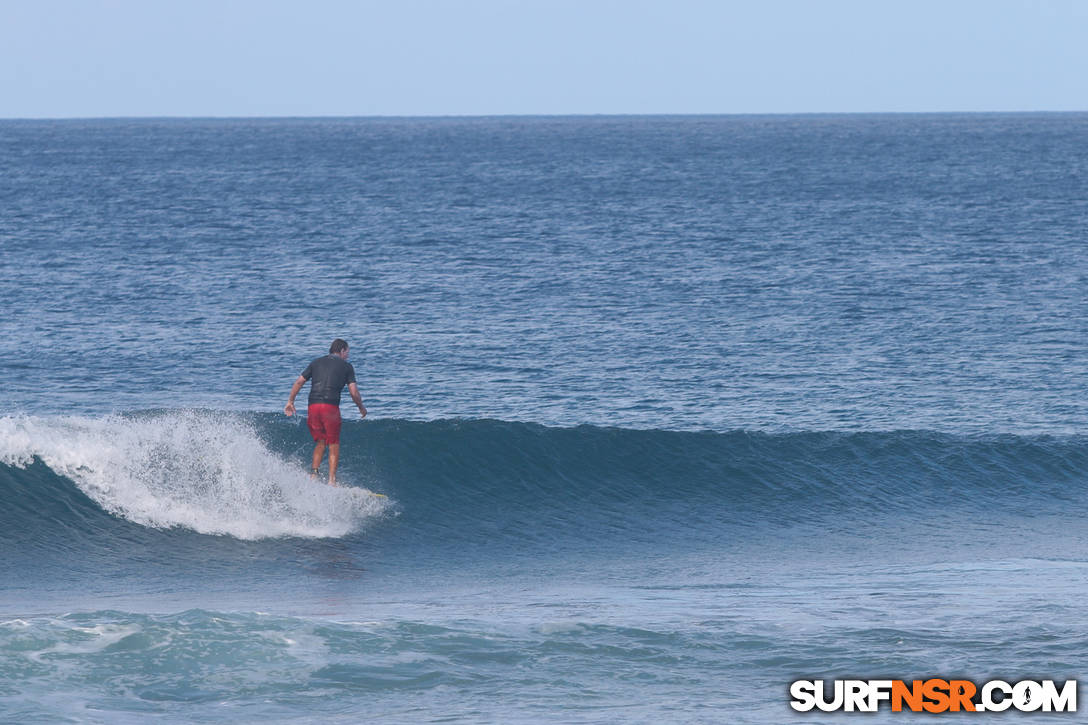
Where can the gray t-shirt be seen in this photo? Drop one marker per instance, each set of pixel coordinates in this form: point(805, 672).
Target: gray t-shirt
point(328, 375)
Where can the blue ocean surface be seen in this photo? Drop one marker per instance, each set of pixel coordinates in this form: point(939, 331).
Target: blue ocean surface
point(666, 412)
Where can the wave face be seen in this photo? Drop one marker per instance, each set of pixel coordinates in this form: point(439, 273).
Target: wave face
point(624, 555)
point(244, 476)
point(507, 544)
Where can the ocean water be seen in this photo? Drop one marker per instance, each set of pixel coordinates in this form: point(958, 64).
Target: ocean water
point(667, 413)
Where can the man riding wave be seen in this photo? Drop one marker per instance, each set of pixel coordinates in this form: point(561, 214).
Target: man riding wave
point(328, 375)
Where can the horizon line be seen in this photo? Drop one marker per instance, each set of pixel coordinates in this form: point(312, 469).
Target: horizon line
point(440, 116)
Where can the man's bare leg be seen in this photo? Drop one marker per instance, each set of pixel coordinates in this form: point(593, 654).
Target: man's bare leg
point(319, 453)
point(334, 460)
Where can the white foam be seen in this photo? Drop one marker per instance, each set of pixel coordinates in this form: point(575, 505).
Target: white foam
point(209, 472)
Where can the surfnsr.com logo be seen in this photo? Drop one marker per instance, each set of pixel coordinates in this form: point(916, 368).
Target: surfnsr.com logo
point(934, 695)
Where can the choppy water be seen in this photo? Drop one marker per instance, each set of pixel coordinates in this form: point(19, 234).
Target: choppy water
point(668, 413)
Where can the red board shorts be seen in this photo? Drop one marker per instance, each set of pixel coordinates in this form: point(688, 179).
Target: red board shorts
point(323, 420)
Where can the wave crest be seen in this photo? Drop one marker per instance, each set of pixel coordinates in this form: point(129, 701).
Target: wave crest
point(205, 471)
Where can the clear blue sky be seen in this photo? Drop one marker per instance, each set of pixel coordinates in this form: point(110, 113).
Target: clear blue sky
point(66, 58)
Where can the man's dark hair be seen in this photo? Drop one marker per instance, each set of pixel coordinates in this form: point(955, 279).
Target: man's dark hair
point(337, 345)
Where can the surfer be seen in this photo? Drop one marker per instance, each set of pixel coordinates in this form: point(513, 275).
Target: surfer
point(329, 375)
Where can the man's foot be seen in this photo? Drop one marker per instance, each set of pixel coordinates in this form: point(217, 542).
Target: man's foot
point(313, 473)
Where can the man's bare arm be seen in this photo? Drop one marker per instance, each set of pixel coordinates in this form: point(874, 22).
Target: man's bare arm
point(289, 409)
point(353, 390)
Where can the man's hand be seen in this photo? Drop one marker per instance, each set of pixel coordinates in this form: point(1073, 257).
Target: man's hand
point(289, 409)
point(353, 391)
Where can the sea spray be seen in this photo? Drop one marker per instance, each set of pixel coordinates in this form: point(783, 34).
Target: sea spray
point(206, 471)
